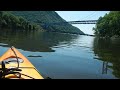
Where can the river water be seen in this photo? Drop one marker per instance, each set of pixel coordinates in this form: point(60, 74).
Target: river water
point(67, 56)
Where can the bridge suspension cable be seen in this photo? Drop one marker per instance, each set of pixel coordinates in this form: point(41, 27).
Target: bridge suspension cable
point(88, 15)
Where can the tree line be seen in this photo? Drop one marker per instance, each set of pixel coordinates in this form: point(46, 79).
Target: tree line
point(10, 21)
point(108, 25)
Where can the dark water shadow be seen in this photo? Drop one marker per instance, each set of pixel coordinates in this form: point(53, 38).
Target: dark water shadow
point(108, 51)
point(33, 41)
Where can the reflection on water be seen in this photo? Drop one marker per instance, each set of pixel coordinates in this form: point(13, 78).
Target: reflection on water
point(33, 41)
point(108, 51)
point(66, 56)
point(105, 67)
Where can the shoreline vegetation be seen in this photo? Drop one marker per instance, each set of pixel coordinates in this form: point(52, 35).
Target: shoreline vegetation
point(12, 22)
point(31, 21)
point(108, 26)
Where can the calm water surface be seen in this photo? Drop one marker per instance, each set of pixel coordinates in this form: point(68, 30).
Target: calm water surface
point(65, 56)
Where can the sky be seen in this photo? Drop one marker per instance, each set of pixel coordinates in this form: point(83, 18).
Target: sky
point(82, 15)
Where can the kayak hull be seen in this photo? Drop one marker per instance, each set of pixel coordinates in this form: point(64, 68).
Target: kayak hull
point(28, 69)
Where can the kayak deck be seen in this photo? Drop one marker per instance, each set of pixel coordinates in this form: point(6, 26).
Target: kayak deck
point(28, 70)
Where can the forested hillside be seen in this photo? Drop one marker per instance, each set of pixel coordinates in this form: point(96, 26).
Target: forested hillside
point(41, 17)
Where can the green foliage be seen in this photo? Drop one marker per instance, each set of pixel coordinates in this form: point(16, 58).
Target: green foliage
point(31, 20)
point(8, 20)
point(41, 17)
point(109, 25)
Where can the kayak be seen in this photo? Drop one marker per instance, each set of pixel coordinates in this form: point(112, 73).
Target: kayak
point(14, 65)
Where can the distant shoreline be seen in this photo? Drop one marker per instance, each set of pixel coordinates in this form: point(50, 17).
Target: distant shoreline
point(7, 29)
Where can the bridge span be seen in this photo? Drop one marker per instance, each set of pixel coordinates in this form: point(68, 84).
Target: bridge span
point(69, 22)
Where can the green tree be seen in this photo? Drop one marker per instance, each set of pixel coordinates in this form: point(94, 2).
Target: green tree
point(109, 25)
point(8, 20)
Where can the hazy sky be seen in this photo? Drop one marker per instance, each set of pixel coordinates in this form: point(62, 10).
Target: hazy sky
point(82, 15)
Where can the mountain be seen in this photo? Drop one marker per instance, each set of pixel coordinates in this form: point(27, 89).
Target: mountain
point(47, 20)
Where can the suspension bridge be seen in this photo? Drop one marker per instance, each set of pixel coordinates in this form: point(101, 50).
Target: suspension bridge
point(83, 22)
point(45, 25)
point(70, 22)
